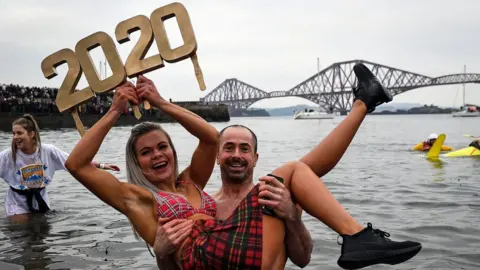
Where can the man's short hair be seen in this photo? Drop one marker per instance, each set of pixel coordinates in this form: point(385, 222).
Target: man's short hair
point(254, 136)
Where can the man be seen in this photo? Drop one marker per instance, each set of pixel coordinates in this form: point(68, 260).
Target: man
point(234, 190)
point(427, 144)
point(237, 158)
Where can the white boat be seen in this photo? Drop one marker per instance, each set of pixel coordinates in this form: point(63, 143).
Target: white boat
point(311, 114)
point(466, 113)
point(467, 109)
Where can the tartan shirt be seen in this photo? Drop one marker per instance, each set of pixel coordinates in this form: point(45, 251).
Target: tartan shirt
point(234, 243)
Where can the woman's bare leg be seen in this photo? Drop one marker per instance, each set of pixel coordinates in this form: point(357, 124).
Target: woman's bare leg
point(19, 219)
point(361, 246)
point(315, 198)
point(273, 243)
point(367, 96)
point(336, 143)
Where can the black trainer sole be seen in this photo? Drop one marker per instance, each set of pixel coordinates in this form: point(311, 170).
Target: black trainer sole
point(365, 75)
point(361, 259)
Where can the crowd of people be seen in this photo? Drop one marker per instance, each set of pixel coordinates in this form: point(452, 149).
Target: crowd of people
point(41, 100)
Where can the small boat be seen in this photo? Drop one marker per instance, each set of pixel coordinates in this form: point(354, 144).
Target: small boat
point(467, 110)
point(311, 114)
point(472, 150)
point(426, 145)
point(464, 152)
point(419, 147)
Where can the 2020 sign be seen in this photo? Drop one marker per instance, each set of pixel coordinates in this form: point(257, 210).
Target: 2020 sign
point(136, 63)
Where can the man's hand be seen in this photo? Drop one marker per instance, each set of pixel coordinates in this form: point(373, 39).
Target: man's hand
point(277, 196)
point(170, 234)
point(146, 90)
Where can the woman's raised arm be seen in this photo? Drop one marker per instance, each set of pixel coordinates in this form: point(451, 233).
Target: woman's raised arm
point(203, 159)
point(103, 184)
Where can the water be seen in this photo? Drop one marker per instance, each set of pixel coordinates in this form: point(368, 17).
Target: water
point(378, 180)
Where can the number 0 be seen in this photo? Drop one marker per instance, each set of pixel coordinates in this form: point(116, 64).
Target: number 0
point(190, 44)
point(82, 51)
point(67, 97)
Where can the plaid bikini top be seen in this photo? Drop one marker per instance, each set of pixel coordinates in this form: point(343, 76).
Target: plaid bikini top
point(171, 205)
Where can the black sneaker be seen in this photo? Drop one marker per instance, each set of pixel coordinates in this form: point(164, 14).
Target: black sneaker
point(370, 246)
point(369, 89)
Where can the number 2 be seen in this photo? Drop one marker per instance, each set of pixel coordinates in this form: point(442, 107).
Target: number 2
point(103, 40)
point(67, 97)
point(136, 64)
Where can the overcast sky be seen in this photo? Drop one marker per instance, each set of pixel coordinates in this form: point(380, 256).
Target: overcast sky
point(272, 45)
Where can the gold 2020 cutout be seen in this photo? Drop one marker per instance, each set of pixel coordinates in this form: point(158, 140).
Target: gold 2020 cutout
point(67, 97)
point(82, 51)
point(189, 47)
point(136, 64)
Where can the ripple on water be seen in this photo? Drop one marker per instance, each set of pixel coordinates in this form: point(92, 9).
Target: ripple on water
point(378, 180)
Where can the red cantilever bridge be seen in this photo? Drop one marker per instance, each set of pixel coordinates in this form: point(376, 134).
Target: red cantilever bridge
point(332, 86)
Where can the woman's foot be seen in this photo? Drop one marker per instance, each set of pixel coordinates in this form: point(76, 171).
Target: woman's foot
point(372, 246)
point(369, 89)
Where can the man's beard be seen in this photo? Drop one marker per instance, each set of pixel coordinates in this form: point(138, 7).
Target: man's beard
point(235, 178)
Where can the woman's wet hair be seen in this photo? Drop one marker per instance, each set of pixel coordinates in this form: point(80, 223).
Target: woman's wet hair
point(135, 174)
point(30, 125)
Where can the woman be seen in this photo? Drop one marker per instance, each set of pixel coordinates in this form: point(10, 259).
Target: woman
point(29, 166)
point(158, 189)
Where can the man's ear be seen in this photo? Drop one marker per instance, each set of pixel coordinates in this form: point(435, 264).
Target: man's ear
point(255, 159)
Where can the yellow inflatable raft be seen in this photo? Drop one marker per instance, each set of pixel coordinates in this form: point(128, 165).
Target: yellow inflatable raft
point(419, 147)
point(464, 152)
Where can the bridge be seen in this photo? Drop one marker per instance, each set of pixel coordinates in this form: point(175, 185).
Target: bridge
point(332, 86)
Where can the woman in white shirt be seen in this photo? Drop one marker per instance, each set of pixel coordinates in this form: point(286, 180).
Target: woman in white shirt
point(29, 166)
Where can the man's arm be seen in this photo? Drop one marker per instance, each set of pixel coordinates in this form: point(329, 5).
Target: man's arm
point(170, 234)
point(167, 263)
point(298, 240)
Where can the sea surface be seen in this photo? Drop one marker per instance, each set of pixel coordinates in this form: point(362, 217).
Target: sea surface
point(379, 180)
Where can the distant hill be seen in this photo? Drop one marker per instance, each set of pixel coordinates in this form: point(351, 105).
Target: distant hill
point(393, 106)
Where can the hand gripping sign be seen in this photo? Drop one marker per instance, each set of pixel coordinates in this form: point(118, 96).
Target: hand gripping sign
point(80, 61)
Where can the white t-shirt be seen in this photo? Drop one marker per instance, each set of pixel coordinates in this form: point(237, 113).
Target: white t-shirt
point(30, 171)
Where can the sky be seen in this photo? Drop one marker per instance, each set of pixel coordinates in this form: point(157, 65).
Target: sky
point(272, 45)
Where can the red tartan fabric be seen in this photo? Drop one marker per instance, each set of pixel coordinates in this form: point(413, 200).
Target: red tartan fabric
point(235, 243)
point(172, 205)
